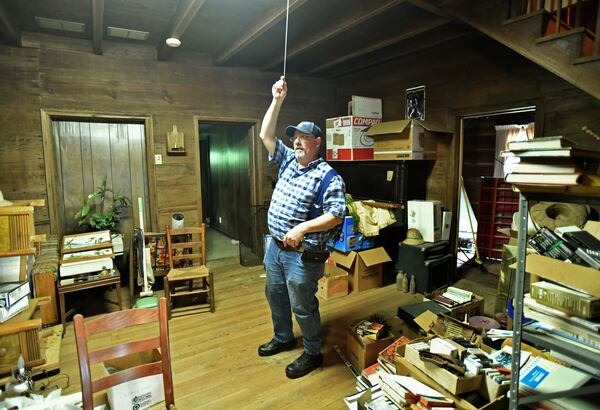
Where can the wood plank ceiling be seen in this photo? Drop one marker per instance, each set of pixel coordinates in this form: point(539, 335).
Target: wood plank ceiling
point(326, 38)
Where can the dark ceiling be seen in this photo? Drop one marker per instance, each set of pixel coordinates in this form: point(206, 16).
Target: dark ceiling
point(326, 38)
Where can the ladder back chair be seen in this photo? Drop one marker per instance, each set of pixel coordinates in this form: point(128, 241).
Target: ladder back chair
point(112, 322)
point(188, 277)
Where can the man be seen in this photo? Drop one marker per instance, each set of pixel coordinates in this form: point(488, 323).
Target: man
point(292, 278)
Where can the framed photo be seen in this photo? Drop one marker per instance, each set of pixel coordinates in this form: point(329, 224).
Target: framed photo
point(415, 103)
point(86, 241)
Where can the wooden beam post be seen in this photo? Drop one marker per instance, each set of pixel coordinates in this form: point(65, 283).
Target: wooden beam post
point(98, 25)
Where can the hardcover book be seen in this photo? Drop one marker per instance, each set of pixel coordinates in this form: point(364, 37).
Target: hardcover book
point(11, 293)
point(565, 299)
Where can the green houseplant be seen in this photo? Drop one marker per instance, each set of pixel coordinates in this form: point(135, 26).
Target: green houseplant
point(101, 209)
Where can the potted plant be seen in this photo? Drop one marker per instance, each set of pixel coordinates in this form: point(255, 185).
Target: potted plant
point(101, 210)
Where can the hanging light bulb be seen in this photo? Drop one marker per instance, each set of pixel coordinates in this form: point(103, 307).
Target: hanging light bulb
point(173, 42)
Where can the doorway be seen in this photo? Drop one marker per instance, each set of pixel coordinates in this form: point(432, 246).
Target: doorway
point(486, 203)
point(81, 152)
point(226, 183)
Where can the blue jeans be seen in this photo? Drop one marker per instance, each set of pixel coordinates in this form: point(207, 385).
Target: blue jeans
point(291, 287)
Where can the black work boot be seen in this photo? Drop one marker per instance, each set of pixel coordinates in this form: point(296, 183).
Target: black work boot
point(274, 347)
point(303, 365)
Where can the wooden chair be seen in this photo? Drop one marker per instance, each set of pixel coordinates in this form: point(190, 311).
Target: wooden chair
point(114, 321)
point(188, 276)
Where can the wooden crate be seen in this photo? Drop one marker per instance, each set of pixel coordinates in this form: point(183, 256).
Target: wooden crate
point(16, 230)
point(472, 308)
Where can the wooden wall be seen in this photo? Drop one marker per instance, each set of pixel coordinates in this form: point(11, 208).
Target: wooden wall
point(59, 74)
point(467, 76)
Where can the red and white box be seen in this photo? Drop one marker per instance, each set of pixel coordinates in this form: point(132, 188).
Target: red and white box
point(347, 139)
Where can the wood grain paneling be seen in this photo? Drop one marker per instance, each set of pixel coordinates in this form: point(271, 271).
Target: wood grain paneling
point(473, 75)
point(62, 74)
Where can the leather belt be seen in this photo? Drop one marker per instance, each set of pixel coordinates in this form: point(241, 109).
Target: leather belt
point(287, 248)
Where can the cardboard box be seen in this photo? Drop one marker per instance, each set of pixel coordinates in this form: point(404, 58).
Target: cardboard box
point(361, 351)
point(364, 267)
point(472, 308)
point(492, 390)
point(351, 240)
point(405, 139)
point(366, 107)
point(579, 277)
point(451, 382)
point(438, 325)
point(426, 216)
point(346, 138)
point(333, 284)
point(405, 368)
point(139, 393)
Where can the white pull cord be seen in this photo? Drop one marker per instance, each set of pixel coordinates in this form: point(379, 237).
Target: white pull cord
point(287, 17)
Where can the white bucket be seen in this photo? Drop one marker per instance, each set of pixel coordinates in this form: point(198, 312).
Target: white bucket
point(177, 221)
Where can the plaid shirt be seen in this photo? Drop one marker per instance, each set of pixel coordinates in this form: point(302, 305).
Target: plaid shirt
point(295, 192)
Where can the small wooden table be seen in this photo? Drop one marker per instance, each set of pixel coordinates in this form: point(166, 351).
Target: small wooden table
point(114, 279)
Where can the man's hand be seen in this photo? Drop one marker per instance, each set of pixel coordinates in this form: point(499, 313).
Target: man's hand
point(294, 237)
point(279, 89)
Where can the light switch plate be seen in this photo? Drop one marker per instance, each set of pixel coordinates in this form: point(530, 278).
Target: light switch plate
point(390, 176)
point(157, 159)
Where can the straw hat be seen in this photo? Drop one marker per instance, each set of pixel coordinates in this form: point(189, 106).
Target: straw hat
point(4, 202)
point(413, 237)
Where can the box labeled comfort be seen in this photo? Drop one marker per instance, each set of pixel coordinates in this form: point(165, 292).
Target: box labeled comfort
point(139, 393)
point(347, 139)
point(364, 267)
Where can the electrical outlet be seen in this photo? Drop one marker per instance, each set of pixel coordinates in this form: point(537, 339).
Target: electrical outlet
point(157, 159)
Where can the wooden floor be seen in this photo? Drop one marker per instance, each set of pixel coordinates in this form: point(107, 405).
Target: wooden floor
point(214, 358)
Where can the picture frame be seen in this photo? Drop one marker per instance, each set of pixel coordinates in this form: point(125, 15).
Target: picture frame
point(86, 241)
point(415, 103)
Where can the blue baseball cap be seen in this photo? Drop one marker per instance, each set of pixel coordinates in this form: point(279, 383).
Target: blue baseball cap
point(305, 127)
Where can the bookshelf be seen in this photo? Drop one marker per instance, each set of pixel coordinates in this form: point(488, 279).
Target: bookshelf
point(585, 195)
point(497, 204)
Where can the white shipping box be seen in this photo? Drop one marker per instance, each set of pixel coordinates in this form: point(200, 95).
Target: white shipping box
point(366, 107)
point(135, 394)
point(347, 139)
point(426, 216)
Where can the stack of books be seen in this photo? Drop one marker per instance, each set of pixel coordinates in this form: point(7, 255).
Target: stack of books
point(370, 330)
point(85, 255)
point(554, 161)
point(14, 298)
point(564, 314)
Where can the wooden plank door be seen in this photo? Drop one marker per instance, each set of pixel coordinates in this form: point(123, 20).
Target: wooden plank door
point(86, 152)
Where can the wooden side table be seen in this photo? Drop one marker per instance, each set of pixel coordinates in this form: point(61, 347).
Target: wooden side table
point(114, 279)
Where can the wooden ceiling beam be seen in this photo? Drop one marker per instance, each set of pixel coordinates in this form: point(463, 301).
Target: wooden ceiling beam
point(414, 48)
point(97, 25)
point(8, 29)
point(255, 32)
point(182, 17)
point(336, 30)
point(433, 9)
point(382, 44)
